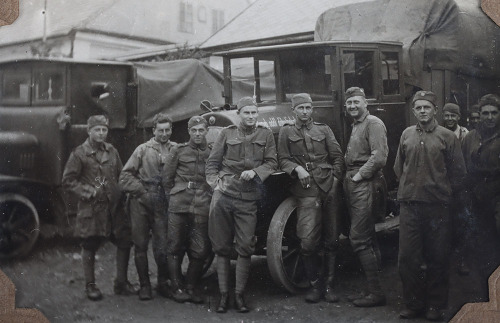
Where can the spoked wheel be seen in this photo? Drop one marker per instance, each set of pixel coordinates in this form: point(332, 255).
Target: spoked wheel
point(19, 225)
point(283, 249)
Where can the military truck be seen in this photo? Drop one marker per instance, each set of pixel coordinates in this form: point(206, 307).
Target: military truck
point(391, 49)
point(44, 107)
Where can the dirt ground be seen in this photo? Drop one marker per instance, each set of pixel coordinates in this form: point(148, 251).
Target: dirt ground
point(51, 280)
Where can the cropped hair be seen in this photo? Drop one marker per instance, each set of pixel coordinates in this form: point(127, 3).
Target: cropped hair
point(489, 99)
point(161, 118)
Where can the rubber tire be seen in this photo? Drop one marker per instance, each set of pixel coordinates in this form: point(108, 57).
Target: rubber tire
point(276, 235)
point(31, 233)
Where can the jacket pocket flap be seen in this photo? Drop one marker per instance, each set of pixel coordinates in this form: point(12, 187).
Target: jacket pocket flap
point(260, 142)
point(234, 142)
point(187, 159)
point(295, 138)
point(318, 138)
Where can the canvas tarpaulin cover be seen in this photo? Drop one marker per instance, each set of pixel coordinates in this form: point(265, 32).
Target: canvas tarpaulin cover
point(178, 87)
point(439, 34)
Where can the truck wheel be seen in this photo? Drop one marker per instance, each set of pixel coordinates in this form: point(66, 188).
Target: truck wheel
point(283, 249)
point(19, 225)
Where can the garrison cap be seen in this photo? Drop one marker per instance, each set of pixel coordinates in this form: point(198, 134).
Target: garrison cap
point(196, 120)
point(97, 120)
point(354, 91)
point(301, 98)
point(451, 107)
point(425, 95)
point(245, 102)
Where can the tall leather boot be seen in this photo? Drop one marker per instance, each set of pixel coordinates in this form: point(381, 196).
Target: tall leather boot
point(121, 285)
point(174, 271)
point(141, 263)
point(329, 264)
point(193, 274)
point(370, 262)
point(311, 264)
point(223, 266)
point(88, 260)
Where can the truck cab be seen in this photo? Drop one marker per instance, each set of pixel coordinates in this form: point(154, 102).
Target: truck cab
point(44, 107)
point(273, 74)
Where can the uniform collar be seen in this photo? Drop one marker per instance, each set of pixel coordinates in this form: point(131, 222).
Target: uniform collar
point(299, 124)
point(155, 144)
point(89, 150)
point(201, 146)
point(362, 118)
point(431, 128)
point(246, 130)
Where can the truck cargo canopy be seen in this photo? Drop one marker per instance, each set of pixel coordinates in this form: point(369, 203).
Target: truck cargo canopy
point(438, 34)
point(178, 87)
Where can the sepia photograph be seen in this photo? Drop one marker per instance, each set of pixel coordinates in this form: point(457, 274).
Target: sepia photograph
point(249, 161)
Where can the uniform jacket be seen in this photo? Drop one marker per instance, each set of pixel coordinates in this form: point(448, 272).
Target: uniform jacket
point(144, 169)
point(482, 159)
point(93, 177)
point(313, 146)
point(461, 132)
point(235, 150)
point(429, 164)
point(367, 149)
point(184, 179)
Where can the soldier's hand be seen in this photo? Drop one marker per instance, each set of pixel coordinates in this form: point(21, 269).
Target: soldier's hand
point(247, 175)
point(304, 177)
point(357, 178)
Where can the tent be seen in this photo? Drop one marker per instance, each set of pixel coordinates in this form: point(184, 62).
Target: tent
point(454, 35)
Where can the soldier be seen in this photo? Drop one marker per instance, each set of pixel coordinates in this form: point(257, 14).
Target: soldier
point(309, 152)
point(481, 150)
point(474, 117)
point(92, 174)
point(365, 157)
point(190, 196)
point(242, 158)
point(451, 116)
point(141, 177)
point(430, 167)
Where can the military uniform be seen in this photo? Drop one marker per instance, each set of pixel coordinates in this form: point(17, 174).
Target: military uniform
point(233, 210)
point(190, 196)
point(238, 149)
point(141, 177)
point(482, 158)
point(314, 147)
point(91, 173)
point(430, 167)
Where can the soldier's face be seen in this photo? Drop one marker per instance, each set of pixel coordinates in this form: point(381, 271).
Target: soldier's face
point(490, 116)
point(356, 106)
point(249, 115)
point(450, 120)
point(98, 134)
point(198, 133)
point(474, 119)
point(303, 111)
point(162, 132)
point(424, 111)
